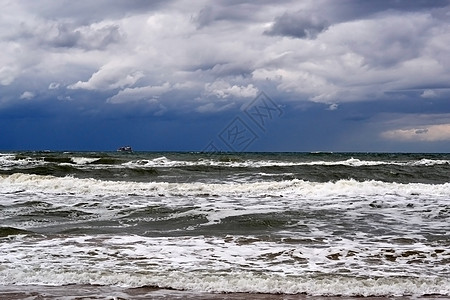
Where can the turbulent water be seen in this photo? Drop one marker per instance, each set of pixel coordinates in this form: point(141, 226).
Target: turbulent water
point(290, 223)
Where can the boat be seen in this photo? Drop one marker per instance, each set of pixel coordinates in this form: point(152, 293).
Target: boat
point(125, 149)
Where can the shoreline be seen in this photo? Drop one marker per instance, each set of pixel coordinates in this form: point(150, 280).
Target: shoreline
point(17, 292)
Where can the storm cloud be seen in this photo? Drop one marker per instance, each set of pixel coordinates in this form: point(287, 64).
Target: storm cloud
point(179, 59)
point(300, 25)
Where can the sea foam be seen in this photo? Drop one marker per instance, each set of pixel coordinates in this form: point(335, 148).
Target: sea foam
point(295, 187)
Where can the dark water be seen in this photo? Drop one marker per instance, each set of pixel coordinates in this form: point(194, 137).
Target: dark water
point(191, 167)
point(328, 224)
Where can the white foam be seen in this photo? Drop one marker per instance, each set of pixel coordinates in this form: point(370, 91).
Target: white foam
point(84, 160)
point(353, 162)
point(207, 264)
point(419, 205)
point(429, 162)
point(51, 184)
point(356, 263)
point(154, 163)
point(8, 161)
point(217, 201)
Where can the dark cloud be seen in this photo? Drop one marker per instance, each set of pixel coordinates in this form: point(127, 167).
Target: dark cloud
point(300, 24)
point(100, 38)
point(237, 12)
point(232, 69)
point(366, 7)
point(86, 12)
point(356, 9)
point(68, 35)
point(310, 23)
point(225, 69)
point(232, 10)
point(145, 62)
point(205, 17)
point(65, 36)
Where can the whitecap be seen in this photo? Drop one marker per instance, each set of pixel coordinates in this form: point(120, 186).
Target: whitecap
point(83, 160)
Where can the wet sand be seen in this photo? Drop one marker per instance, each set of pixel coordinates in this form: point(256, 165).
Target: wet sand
point(107, 292)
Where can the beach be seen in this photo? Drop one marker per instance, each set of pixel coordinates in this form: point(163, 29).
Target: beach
point(99, 292)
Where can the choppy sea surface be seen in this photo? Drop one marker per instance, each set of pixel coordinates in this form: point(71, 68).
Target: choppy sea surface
point(318, 224)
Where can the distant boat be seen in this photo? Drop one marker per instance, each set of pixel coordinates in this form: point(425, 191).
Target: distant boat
point(125, 149)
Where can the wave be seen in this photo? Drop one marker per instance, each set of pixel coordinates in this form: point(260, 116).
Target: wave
point(8, 231)
point(8, 161)
point(218, 265)
point(235, 282)
point(352, 162)
point(24, 161)
point(84, 160)
point(287, 188)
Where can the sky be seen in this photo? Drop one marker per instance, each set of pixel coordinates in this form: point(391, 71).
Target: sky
point(225, 75)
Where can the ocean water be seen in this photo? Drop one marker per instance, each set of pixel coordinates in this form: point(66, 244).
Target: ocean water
point(314, 224)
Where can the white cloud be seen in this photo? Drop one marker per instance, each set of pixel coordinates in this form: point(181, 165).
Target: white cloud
point(53, 86)
point(146, 93)
point(109, 77)
point(7, 75)
point(333, 106)
point(223, 89)
point(64, 98)
point(27, 95)
point(429, 94)
point(431, 133)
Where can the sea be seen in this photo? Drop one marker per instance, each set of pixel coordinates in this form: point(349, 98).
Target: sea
point(168, 225)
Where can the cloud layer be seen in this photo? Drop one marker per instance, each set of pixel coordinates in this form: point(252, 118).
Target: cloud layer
point(182, 57)
point(430, 133)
